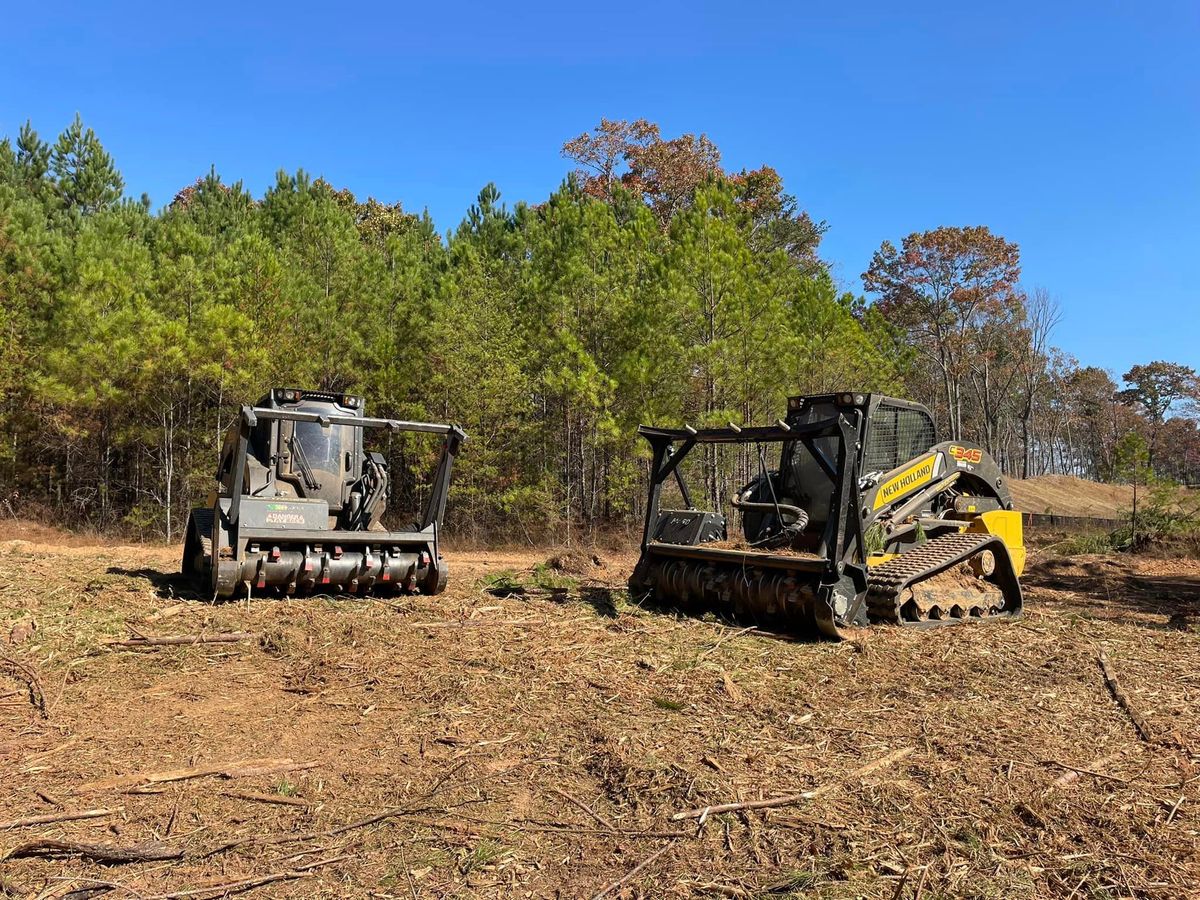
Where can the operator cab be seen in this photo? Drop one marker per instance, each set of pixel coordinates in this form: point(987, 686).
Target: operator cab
point(305, 460)
point(890, 432)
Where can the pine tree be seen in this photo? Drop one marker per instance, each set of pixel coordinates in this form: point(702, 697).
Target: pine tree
point(87, 180)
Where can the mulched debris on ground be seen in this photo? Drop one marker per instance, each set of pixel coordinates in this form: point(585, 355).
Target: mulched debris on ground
point(473, 745)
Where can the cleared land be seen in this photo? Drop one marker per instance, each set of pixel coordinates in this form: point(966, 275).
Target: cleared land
point(536, 744)
point(1065, 495)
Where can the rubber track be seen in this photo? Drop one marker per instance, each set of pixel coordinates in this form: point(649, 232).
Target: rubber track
point(886, 582)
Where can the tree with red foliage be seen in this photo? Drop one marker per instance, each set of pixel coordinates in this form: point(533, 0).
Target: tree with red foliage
point(942, 287)
point(665, 174)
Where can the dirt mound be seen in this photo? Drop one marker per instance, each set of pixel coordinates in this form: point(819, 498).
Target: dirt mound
point(23, 530)
point(577, 563)
point(27, 532)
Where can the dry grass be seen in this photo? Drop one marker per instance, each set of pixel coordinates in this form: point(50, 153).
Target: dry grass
point(536, 743)
point(1066, 495)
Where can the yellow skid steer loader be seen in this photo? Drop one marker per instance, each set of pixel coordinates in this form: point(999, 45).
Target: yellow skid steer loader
point(867, 519)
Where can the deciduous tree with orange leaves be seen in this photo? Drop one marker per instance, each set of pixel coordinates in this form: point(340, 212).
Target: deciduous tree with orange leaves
point(942, 287)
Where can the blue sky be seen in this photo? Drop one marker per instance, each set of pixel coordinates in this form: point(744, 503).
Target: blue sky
point(1071, 128)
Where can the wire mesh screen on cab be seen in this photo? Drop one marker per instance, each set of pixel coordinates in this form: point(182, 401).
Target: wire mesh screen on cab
point(896, 435)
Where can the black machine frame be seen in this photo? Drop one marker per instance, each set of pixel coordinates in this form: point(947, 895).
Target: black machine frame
point(889, 479)
point(842, 556)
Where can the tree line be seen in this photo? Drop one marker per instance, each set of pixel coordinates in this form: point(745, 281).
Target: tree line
point(652, 286)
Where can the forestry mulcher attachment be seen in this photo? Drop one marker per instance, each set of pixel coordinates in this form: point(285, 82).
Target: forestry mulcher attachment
point(867, 519)
point(299, 505)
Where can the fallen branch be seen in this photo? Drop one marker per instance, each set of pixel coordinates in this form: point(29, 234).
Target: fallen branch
point(277, 799)
point(181, 640)
point(25, 672)
point(50, 818)
point(723, 638)
point(246, 884)
point(442, 779)
point(1175, 809)
point(632, 873)
point(1081, 771)
point(704, 812)
point(1072, 774)
point(1114, 686)
point(244, 768)
point(33, 760)
point(363, 823)
point(543, 825)
point(80, 887)
point(103, 853)
point(293, 837)
point(274, 840)
point(587, 809)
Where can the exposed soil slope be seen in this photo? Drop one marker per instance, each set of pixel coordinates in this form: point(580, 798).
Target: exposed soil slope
point(1066, 495)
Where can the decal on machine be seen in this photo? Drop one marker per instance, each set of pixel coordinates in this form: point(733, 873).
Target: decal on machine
point(966, 454)
point(284, 518)
point(293, 515)
point(915, 475)
point(965, 457)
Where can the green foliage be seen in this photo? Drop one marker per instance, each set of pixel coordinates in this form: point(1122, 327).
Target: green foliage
point(794, 883)
point(1167, 521)
point(548, 579)
point(1084, 544)
point(285, 788)
point(504, 581)
point(652, 286)
point(482, 855)
point(1132, 460)
point(669, 705)
point(873, 539)
point(541, 577)
point(85, 176)
point(680, 294)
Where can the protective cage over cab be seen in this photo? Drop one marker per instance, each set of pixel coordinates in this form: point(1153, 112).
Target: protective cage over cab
point(299, 504)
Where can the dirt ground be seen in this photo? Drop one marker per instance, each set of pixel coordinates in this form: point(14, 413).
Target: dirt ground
point(501, 741)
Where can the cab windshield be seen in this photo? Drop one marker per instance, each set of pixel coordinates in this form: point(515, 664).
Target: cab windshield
point(320, 447)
